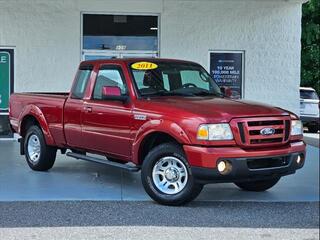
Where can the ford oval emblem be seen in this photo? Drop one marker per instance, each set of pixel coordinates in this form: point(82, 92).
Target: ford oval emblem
point(267, 131)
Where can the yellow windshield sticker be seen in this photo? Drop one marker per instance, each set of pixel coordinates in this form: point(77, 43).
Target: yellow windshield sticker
point(144, 66)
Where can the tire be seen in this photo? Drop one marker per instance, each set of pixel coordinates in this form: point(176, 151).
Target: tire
point(39, 156)
point(258, 186)
point(182, 187)
point(313, 128)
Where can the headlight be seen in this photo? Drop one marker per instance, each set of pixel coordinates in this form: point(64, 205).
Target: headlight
point(296, 127)
point(215, 132)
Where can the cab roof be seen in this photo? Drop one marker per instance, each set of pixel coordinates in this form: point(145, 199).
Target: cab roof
point(132, 60)
point(307, 89)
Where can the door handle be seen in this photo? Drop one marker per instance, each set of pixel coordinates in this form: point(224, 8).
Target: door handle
point(88, 109)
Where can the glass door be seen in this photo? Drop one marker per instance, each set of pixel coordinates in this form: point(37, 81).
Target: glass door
point(106, 36)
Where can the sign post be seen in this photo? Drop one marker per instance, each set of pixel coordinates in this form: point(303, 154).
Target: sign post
point(227, 69)
point(5, 80)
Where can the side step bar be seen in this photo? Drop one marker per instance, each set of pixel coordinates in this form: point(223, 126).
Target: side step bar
point(130, 168)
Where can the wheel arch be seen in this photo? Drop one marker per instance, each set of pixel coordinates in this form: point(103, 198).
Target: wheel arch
point(31, 116)
point(153, 133)
point(28, 121)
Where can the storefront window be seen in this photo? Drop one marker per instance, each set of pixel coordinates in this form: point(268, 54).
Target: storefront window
point(120, 32)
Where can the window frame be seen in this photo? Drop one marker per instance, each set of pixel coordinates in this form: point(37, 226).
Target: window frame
point(81, 68)
point(110, 67)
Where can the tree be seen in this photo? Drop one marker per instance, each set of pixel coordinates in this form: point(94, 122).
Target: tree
point(310, 40)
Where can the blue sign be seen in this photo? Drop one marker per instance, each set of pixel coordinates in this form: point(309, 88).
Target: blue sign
point(226, 68)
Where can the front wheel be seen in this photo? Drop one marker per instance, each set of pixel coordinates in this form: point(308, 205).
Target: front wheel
point(258, 186)
point(39, 156)
point(167, 177)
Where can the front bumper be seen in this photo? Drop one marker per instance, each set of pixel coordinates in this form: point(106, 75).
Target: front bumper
point(204, 161)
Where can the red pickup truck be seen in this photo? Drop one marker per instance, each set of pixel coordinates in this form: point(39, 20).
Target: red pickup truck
point(167, 118)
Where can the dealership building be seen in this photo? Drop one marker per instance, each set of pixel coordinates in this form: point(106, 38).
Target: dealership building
point(250, 47)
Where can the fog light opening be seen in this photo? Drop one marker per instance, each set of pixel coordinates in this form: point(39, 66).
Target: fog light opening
point(300, 159)
point(224, 167)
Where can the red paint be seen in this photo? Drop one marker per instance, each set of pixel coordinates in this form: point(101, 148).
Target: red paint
point(111, 91)
point(208, 157)
point(114, 128)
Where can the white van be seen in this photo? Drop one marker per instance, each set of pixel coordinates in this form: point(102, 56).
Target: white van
point(309, 109)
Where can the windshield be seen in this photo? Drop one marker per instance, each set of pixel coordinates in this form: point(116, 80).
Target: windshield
point(173, 79)
point(305, 94)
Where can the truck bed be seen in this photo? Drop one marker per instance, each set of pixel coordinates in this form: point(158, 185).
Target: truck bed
point(46, 94)
point(50, 104)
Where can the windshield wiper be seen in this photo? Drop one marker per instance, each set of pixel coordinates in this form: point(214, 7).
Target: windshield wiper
point(166, 93)
point(177, 94)
point(207, 93)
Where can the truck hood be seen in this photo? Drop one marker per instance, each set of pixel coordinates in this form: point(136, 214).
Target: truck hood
point(212, 109)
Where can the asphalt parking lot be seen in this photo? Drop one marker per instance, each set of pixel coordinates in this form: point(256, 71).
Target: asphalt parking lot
point(146, 220)
point(72, 179)
point(81, 200)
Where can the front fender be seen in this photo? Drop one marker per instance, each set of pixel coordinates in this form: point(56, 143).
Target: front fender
point(33, 110)
point(163, 126)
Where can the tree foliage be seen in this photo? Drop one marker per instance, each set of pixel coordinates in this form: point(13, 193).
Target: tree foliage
point(310, 40)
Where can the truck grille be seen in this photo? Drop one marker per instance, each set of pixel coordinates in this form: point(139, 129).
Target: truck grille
point(247, 131)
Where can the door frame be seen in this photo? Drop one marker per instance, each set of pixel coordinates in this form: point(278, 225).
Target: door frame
point(118, 54)
point(91, 102)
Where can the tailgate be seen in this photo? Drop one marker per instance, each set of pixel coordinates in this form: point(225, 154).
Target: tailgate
point(309, 107)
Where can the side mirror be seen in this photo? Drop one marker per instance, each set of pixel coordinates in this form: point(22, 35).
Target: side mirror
point(113, 93)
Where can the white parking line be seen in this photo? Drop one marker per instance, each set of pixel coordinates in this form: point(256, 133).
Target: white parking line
point(151, 232)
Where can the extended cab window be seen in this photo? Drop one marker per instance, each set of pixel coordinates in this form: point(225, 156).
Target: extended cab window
point(109, 76)
point(81, 82)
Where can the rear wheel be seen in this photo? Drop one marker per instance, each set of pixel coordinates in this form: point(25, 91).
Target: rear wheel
point(39, 156)
point(258, 186)
point(166, 176)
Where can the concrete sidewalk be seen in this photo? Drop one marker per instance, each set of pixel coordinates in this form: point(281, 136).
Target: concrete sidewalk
point(72, 179)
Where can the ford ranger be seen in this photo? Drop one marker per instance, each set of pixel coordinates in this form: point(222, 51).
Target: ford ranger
point(167, 118)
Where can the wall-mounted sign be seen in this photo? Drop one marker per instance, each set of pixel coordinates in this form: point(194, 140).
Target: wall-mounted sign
point(227, 69)
point(6, 77)
point(4, 80)
point(6, 88)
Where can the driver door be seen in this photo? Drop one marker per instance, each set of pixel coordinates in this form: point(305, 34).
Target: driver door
point(106, 124)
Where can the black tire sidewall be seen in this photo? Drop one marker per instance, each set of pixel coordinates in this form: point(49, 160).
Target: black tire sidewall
point(167, 150)
point(47, 155)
